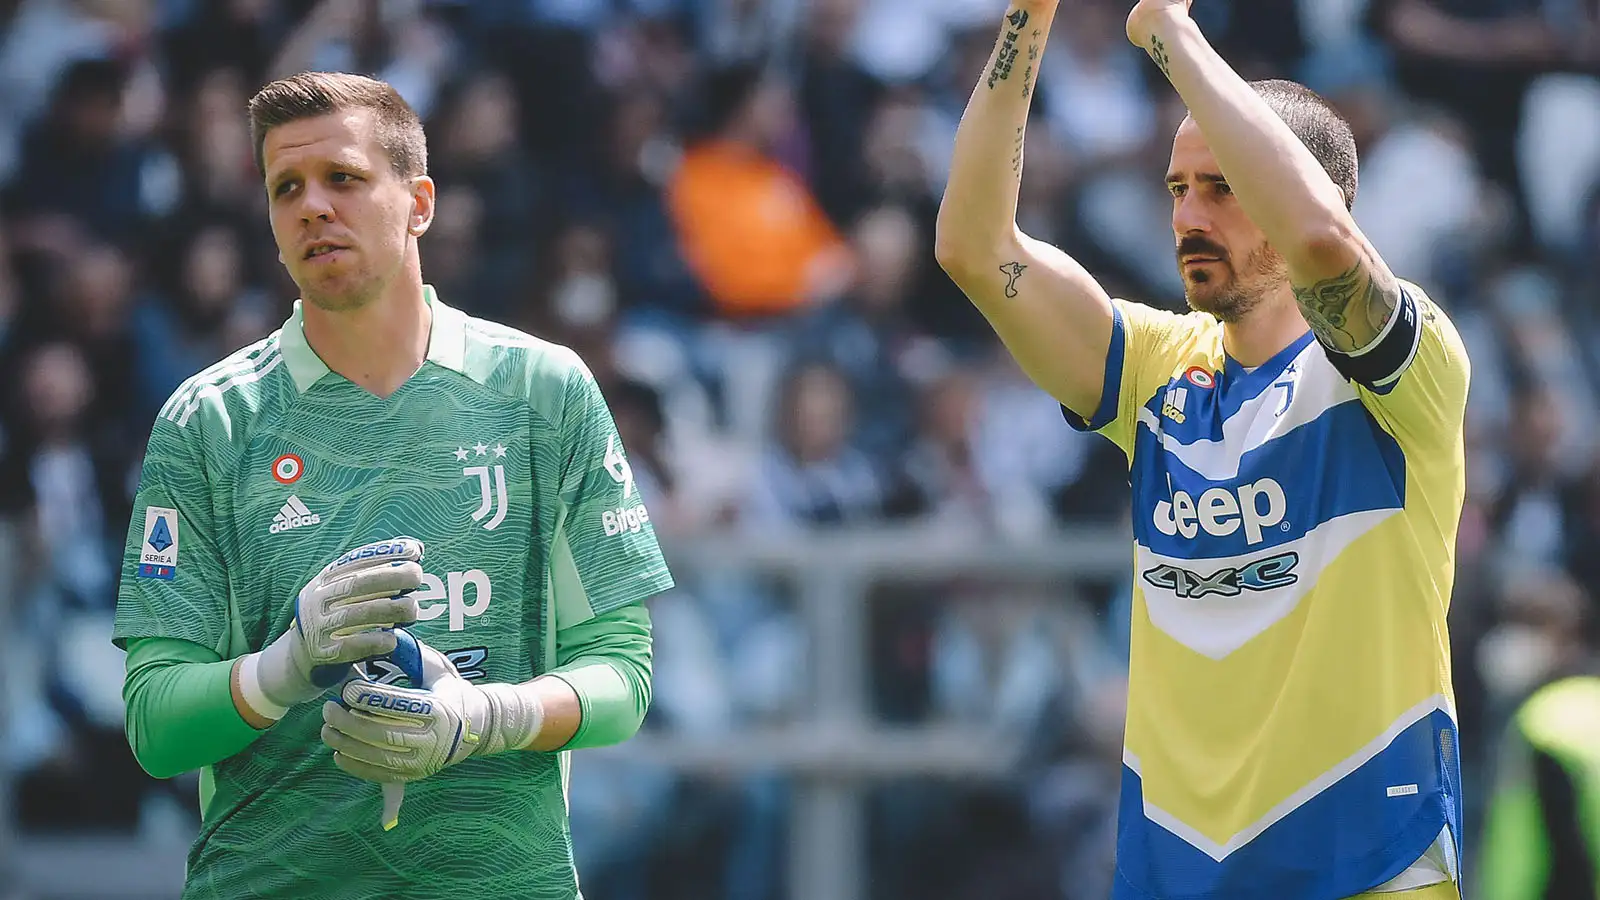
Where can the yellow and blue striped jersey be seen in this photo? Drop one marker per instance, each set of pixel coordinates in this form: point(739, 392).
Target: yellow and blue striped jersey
point(1291, 725)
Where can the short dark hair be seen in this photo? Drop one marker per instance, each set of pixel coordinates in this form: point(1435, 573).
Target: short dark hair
point(1319, 126)
point(312, 94)
point(727, 89)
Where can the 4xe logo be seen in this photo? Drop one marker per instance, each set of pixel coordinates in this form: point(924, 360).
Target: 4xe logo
point(453, 591)
point(1220, 512)
point(1260, 575)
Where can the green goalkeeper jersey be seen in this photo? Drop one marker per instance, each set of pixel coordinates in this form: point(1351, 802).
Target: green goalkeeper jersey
point(501, 456)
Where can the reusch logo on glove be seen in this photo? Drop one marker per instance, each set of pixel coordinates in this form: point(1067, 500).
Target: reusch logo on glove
point(371, 550)
point(394, 704)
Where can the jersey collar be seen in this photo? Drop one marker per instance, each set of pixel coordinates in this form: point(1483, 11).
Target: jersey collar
point(446, 342)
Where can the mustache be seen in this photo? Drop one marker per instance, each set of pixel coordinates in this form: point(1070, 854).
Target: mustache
point(1195, 245)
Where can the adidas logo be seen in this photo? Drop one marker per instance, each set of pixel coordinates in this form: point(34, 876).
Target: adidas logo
point(293, 515)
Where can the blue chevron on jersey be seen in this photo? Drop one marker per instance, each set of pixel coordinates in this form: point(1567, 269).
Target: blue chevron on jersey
point(1339, 463)
point(1291, 722)
point(1407, 781)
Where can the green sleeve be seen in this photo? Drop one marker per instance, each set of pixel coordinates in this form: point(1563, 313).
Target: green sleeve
point(606, 660)
point(173, 581)
point(180, 712)
point(604, 553)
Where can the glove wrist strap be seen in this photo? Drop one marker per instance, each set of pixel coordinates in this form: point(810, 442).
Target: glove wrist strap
point(254, 695)
point(278, 677)
point(515, 717)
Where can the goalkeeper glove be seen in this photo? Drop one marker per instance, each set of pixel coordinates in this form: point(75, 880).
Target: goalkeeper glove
point(343, 615)
point(392, 734)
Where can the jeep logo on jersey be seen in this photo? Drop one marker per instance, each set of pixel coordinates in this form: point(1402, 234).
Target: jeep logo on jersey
point(452, 589)
point(1220, 512)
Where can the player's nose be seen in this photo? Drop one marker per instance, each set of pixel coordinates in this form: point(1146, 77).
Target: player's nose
point(315, 204)
point(1189, 216)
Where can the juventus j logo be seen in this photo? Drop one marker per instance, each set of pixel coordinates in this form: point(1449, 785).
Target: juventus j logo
point(488, 503)
point(488, 476)
point(496, 502)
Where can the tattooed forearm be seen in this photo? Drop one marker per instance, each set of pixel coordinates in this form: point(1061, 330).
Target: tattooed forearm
point(1016, 153)
point(1158, 52)
point(1012, 271)
point(1350, 309)
point(1027, 74)
point(1007, 54)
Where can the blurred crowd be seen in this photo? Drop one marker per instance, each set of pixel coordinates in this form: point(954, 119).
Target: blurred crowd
point(726, 207)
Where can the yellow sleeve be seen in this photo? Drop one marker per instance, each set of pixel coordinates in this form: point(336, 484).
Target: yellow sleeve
point(1147, 345)
point(1414, 377)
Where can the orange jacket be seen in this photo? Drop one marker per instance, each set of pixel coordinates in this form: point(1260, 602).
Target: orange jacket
point(748, 228)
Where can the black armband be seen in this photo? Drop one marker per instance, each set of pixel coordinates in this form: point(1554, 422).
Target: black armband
point(1380, 364)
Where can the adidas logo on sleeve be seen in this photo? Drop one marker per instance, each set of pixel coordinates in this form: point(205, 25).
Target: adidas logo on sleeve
point(294, 514)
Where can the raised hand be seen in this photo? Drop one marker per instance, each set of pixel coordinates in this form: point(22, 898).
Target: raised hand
point(1145, 21)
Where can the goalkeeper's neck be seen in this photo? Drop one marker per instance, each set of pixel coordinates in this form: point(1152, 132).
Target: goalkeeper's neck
point(379, 343)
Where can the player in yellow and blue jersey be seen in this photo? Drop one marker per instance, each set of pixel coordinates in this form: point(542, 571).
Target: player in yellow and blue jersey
point(1295, 451)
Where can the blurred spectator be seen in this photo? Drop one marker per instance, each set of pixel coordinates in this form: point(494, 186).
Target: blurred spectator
point(1420, 195)
point(1539, 838)
point(395, 40)
point(65, 736)
point(813, 475)
point(1074, 801)
point(78, 171)
point(1529, 510)
point(869, 336)
point(749, 227)
point(992, 452)
point(579, 306)
point(1478, 59)
point(204, 305)
point(836, 97)
point(942, 463)
point(623, 189)
point(41, 40)
point(494, 198)
point(10, 298)
point(1258, 37)
point(238, 34)
point(212, 142)
point(1093, 84)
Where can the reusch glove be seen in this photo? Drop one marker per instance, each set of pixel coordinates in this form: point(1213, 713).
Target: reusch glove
point(344, 615)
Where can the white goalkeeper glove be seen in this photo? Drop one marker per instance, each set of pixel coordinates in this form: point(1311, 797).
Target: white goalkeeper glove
point(343, 615)
point(393, 735)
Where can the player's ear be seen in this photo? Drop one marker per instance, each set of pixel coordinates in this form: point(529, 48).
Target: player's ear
point(422, 204)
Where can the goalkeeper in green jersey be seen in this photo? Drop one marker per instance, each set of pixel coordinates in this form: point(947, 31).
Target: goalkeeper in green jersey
point(382, 459)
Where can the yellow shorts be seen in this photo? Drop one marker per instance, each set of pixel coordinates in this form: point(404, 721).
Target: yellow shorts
point(1443, 891)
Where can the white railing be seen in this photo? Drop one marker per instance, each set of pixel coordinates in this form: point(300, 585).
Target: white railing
point(832, 752)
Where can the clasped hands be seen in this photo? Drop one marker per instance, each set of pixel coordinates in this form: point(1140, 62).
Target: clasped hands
point(354, 610)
